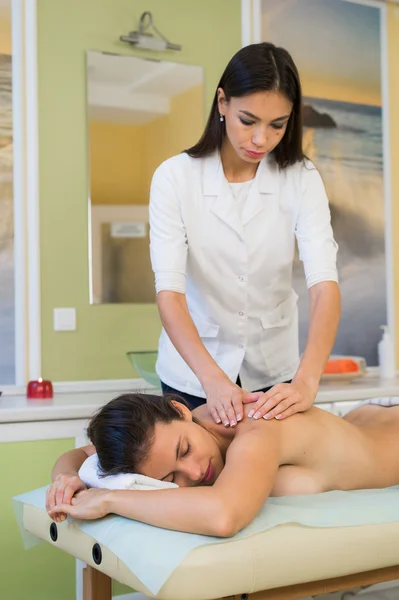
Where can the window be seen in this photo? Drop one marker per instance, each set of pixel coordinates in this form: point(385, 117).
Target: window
point(7, 311)
point(20, 325)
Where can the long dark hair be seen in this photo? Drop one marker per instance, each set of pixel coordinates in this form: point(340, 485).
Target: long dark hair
point(258, 68)
point(122, 431)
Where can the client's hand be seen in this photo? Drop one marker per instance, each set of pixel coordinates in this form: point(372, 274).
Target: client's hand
point(64, 486)
point(225, 399)
point(284, 400)
point(89, 504)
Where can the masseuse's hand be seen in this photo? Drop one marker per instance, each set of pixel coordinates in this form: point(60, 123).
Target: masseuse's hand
point(225, 400)
point(284, 400)
point(89, 504)
point(62, 490)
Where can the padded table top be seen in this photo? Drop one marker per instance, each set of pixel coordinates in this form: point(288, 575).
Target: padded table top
point(284, 555)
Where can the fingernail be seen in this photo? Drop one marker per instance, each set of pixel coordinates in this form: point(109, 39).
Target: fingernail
point(233, 423)
point(226, 423)
point(257, 415)
point(268, 416)
point(239, 417)
point(218, 421)
point(251, 413)
point(278, 417)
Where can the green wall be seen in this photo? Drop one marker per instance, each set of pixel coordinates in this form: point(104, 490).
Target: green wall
point(43, 572)
point(210, 32)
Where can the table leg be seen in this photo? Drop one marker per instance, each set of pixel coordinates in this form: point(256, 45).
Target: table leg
point(96, 585)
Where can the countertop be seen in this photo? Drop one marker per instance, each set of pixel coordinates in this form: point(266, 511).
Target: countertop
point(82, 404)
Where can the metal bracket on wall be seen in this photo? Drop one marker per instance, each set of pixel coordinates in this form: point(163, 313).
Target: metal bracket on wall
point(147, 41)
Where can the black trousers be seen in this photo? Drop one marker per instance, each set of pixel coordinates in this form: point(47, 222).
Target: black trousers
point(195, 401)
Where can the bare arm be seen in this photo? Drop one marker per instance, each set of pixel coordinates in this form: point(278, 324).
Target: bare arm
point(65, 477)
point(70, 462)
point(169, 249)
point(180, 328)
point(284, 400)
point(318, 251)
point(224, 397)
point(325, 312)
point(221, 510)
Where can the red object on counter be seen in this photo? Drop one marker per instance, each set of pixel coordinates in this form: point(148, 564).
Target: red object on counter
point(40, 389)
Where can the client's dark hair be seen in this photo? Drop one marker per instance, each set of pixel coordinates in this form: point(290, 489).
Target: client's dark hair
point(122, 431)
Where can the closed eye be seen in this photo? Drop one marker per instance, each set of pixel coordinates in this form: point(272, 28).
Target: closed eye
point(245, 122)
point(172, 475)
point(276, 126)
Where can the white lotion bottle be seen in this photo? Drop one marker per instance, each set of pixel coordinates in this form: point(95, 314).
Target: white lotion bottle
point(386, 355)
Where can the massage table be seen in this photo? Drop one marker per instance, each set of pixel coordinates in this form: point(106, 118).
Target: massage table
point(285, 562)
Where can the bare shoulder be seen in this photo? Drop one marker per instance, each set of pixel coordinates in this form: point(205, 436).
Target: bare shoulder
point(289, 440)
point(244, 432)
point(312, 416)
point(202, 414)
point(295, 437)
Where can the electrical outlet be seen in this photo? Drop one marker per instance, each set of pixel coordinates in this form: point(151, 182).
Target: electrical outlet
point(64, 319)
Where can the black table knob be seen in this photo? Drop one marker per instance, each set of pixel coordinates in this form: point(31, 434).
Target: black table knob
point(53, 532)
point(97, 554)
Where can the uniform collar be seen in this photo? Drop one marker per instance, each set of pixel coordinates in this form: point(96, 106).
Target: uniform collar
point(216, 184)
point(266, 178)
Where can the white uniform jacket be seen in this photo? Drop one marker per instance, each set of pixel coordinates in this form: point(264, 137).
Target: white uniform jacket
point(236, 271)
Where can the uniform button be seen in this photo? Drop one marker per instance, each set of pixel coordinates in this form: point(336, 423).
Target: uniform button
point(241, 278)
point(241, 313)
point(241, 346)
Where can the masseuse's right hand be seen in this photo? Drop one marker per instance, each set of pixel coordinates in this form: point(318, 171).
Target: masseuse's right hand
point(62, 490)
point(225, 400)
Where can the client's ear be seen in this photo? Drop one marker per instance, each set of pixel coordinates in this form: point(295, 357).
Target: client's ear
point(183, 410)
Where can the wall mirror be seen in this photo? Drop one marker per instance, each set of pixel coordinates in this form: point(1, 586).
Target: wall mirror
point(140, 112)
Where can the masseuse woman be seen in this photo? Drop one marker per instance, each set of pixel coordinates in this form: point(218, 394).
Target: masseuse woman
point(224, 216)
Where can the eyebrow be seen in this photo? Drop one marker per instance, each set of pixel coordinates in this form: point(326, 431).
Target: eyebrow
point(178, 447)
point(249, 114)
point(177, 456)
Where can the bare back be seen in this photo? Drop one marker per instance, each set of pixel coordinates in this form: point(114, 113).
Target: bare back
point(327, 452)
point(321, 452)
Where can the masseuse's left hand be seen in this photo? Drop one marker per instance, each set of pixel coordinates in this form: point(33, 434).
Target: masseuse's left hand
point(284, 400)
point(89, 504)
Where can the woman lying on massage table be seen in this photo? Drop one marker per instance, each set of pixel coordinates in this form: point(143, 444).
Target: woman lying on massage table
point(224, 474)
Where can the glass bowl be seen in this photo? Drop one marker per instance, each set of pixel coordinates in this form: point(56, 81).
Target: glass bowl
point(144, 363)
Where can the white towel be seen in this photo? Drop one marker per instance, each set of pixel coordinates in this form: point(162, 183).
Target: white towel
point(383, 401)
point(89, 474)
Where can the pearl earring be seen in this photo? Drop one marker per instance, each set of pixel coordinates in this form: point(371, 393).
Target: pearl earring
point(221, 118)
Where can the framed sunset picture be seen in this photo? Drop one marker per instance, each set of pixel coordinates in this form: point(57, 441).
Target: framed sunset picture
point(337, 46)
